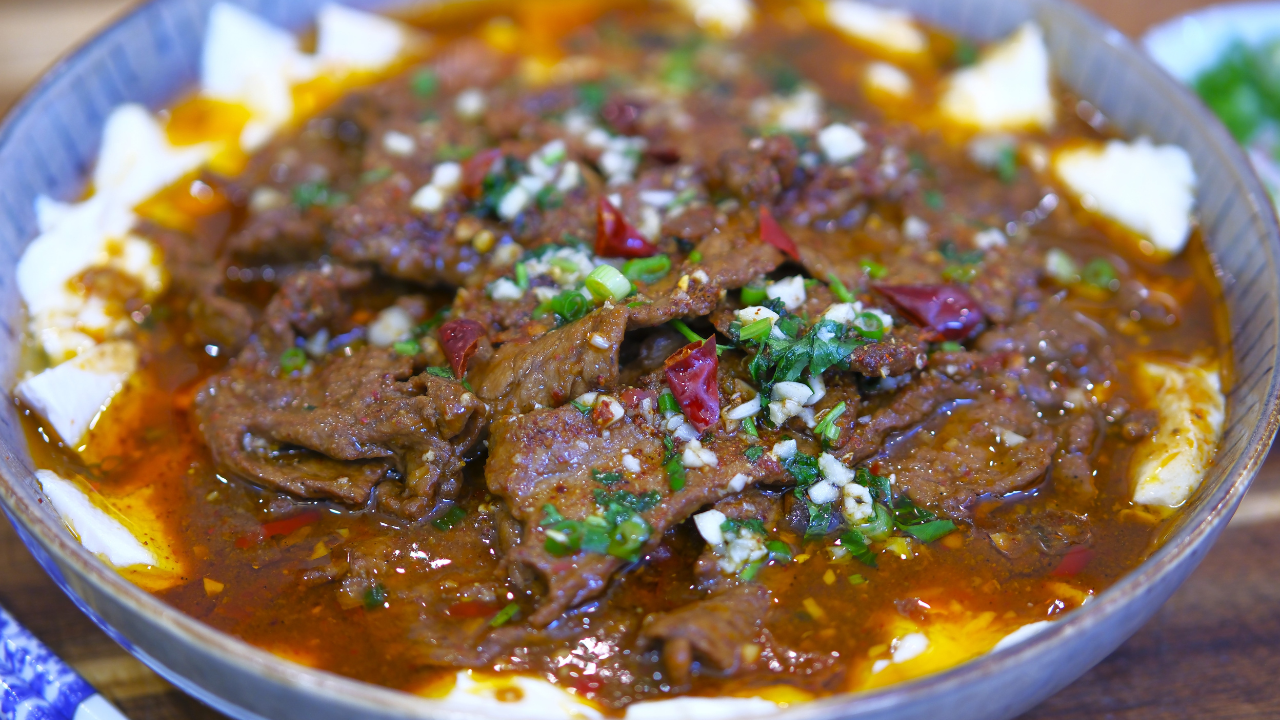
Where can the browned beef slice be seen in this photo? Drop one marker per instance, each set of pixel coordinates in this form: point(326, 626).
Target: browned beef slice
point(713, 630)
point(380, 228)
point(337, 432)
point(556, 367)
point(1072, 466)
point(546, 457)
point(908, 407)
point(1007, 278)
point(753, 504)
point(991, 444)
point(1055, 333)
point(730, 259)
point(283, 234)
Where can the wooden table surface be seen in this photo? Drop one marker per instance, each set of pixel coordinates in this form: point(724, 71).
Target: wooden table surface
point(1211, 653)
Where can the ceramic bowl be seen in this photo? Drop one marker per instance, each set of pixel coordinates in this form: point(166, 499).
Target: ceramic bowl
point(150, 55)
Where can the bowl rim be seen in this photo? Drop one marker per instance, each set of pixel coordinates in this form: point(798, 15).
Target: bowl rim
point(1209, 516)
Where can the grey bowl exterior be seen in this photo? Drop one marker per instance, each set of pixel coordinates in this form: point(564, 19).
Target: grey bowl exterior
point(151, 56)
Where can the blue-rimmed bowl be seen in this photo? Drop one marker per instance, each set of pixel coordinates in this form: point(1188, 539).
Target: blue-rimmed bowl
point(50, 139)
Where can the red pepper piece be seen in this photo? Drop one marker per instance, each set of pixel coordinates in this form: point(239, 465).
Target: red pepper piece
point(278, 527)
point(946, 309)
point(615, 237)
point(460, 339)
point(472, 609)
point(1073, 562)
point(476, 169)
point(691, 373)
point(772, 233)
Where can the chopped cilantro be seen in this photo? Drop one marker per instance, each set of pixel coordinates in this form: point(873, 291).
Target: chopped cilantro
point(930, 531)
point(778, 551)
point(675, 473)
point(1007, 164)
point(753, 453)
point(375, 597)
point(640, 503)
point(934, 199)
point(582, 408)
point(378, 174)
point(606, 478)
point(443, 372)
point(951, 346)
point(424, 83)
point(858, 546)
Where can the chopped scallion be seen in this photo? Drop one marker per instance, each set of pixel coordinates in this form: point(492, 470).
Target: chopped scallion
point(827, 428)
point(504, 615)
point(1101, 274)
point(754, 294)
point(606, 283)
point(647, 270)
point(838, 289)
point(667, 403)
point(756, 331)
point(293, 359)
point(874, 270)
point(406, 347)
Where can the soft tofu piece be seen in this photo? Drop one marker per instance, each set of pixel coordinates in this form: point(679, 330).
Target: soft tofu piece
point(72, 394)
point(889, 79)
point(136, 160)
point(702, 708)
point(727, 17)
point(473, 693)
point(71, 245)
point(248, 61)
point(1008, 89)
point(1168, 466)
point(1023, 633)
point(99, 532)
point(1149, 189)
point(348, 39)
point(891, 29)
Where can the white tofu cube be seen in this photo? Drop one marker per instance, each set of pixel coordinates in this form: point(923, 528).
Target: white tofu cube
point(1168, 466)
point(72, 394)
point(99, 532)
point(1008, 89)
point(1147, 188)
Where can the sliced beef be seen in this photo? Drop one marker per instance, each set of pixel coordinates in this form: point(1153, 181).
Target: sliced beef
point(556, 367)
point(1073, 465)
point(340, 430)
point(987, 445)
point(381, 229)
point(730, 259)
point(713, 630)
point(547, 457)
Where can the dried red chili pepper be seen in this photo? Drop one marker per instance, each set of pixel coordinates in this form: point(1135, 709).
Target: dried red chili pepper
point(1073, 562)
point(691, 373)
point(772, 233)
point(946, 309)
point(615, 237)
point(476, 169)
point(460, 339)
